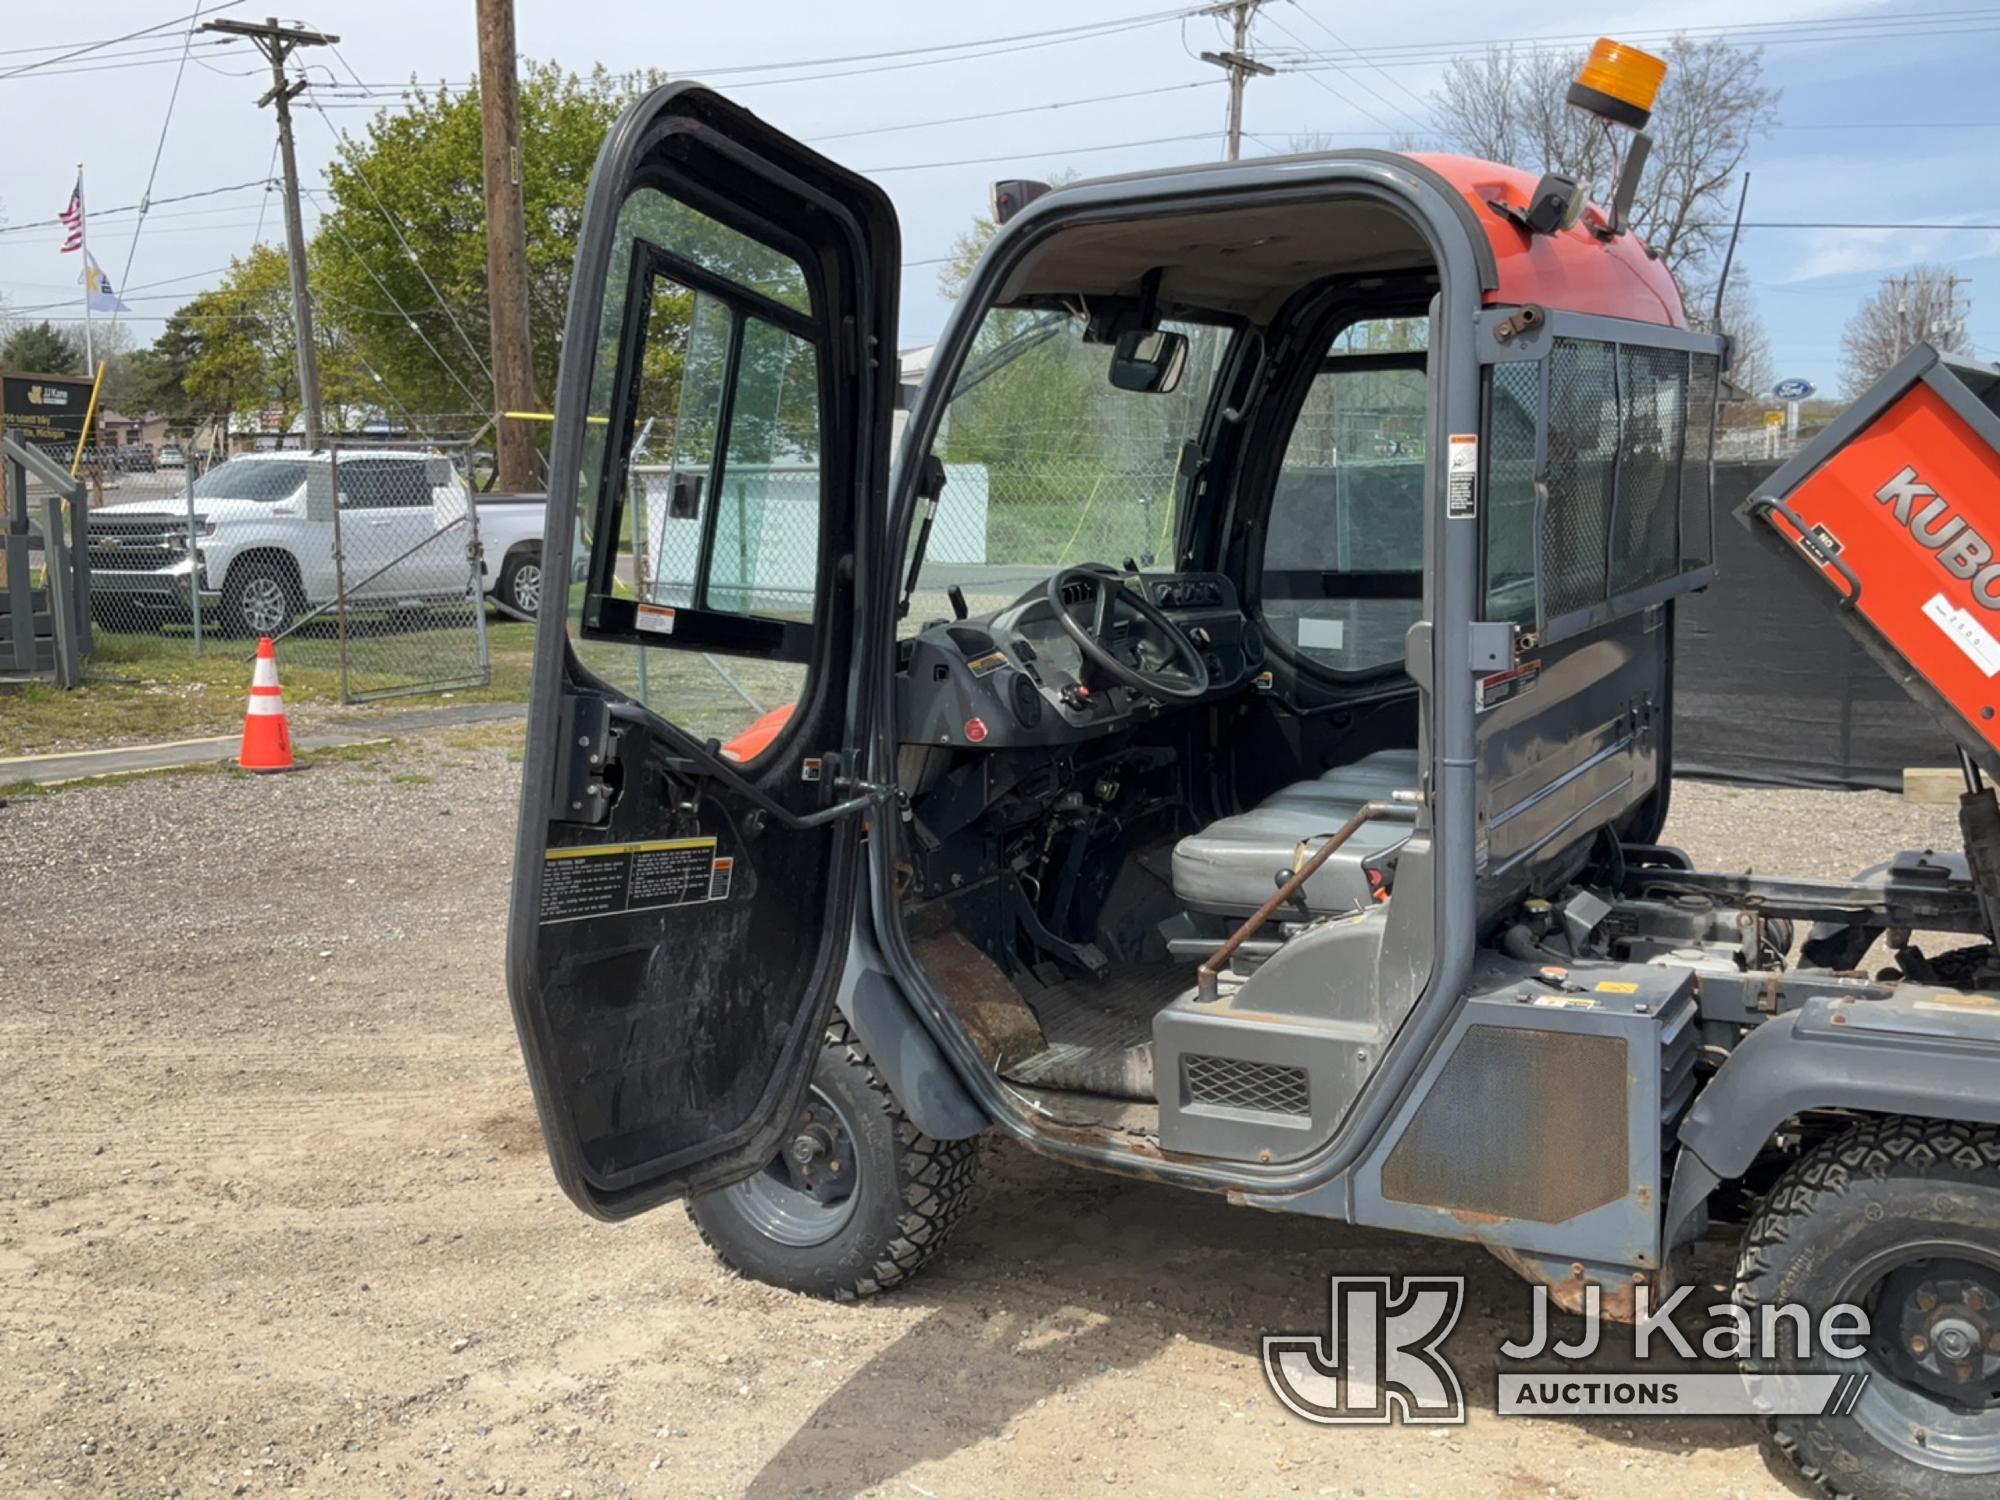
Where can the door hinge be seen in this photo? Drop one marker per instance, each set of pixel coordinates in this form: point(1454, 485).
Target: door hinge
point(586, 763)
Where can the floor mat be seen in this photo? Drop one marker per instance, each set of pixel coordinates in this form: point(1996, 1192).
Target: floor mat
point(1100, 1034)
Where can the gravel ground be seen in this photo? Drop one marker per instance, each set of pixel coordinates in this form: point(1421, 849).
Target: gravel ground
point(274, 1214)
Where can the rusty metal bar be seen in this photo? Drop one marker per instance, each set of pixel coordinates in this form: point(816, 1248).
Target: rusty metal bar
point(1211, 968)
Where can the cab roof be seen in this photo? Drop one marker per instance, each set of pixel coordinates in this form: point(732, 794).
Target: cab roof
point(1579, 269)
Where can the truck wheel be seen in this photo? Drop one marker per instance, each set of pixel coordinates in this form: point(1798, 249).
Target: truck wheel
point(260, 598)
point(1902, 1218)
point(520, 585)
point(858, 1200)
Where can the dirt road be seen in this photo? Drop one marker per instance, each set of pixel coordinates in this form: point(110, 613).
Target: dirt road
point(274, 1215)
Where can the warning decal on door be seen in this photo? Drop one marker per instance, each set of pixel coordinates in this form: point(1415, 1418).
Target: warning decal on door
point(1461, 478)
point(601, 880)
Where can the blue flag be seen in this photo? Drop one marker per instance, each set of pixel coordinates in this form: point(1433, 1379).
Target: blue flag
point(98, 287)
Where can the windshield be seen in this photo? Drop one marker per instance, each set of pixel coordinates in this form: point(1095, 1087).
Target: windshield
point(249, 479)
point(1047, 464)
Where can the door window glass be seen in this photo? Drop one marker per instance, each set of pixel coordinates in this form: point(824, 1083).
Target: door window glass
point(1344, 542)
point(715, 506)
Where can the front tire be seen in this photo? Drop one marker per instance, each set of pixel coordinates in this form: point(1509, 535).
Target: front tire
point(859, 1199)
point(1902, 1217)
point(262, 597)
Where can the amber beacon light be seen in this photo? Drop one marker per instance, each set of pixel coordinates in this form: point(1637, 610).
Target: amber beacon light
point(1619, 82)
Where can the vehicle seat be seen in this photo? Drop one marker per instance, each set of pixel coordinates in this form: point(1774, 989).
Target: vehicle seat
point(1231, 867)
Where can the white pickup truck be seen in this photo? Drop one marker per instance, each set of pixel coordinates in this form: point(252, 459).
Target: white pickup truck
point(264, 529)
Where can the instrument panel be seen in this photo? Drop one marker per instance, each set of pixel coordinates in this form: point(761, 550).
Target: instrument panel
point(1018, 678)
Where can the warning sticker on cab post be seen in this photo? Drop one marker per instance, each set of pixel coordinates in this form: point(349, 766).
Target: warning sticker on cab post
point(601, 880)
point(1461, 477)
point(658, 619)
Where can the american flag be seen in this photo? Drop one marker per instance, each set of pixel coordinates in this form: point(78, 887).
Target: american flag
point(72, 218)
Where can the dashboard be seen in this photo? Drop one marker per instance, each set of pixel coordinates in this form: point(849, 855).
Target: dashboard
point(1017, 678)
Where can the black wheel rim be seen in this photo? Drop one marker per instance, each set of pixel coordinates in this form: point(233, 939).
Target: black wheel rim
point(1933, 1360)
point(808, 1193)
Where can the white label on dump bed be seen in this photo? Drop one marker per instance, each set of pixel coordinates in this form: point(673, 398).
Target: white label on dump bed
point(1971, 637)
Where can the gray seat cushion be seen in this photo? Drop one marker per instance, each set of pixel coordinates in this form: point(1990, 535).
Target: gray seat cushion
point(1232, 866)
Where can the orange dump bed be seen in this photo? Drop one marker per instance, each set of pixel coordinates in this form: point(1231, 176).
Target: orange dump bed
point(1897, 507)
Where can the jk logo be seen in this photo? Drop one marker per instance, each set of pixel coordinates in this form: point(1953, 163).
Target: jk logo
point(1378, 1361)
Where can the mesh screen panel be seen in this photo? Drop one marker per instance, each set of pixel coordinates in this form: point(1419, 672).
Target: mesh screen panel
point(1652, 390)
point(1583, 456)
point(1697, 506)
point(1510, 493)
point(1271, 1087)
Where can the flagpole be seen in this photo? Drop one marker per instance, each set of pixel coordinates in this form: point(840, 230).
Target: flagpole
point(83, 243)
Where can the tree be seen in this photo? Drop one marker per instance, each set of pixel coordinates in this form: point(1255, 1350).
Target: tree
point(415, 176)
point(1922, 306)
point(1508, 105)
point(234, 349)
point(43, 349)
point(972, 242)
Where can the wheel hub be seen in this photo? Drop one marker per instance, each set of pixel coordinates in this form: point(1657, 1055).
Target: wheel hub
point(1948, 1328)
point(807, 1193)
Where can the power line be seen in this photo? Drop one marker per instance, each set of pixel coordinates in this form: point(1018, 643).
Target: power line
point(1751, 33)
point(395, 228)
point(328, 221)
point(1017, 155)
point(99, 215)
point(168, 55)
point(84, 48)
point(1025, 109)
point(1315, 78)
point(1055, 34)
point(159, 149)
point(1394, 82)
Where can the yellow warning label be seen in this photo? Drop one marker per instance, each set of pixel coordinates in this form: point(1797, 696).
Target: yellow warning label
point(601, 880)
point(1616, 987)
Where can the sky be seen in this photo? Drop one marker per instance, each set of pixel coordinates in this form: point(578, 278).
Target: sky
point(1894, 121)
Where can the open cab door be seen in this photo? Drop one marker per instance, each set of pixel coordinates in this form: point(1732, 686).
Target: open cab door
point(691, 816)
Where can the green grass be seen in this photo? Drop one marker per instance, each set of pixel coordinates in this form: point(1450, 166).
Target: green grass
point(142, 688)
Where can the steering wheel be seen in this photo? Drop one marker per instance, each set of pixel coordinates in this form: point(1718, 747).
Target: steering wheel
point(1098, 640)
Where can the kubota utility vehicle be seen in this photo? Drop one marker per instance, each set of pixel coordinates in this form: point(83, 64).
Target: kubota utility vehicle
point(1306, 852)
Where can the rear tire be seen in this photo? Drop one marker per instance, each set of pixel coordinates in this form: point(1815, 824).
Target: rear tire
point(1900, 1216)
point(904, 1192)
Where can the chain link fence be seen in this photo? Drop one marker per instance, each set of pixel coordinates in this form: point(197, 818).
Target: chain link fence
point(385, 582)
point(365, 559)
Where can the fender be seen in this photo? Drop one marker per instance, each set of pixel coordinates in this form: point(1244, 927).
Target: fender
point(1918, 1051)
point(917, 1073)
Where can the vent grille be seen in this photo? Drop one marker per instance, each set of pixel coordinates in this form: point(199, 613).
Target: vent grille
point(1269, 1087)
point(1078, 593)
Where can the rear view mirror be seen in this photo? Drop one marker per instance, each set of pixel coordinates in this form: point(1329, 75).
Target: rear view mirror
point(684, 501)
point(1150, 362)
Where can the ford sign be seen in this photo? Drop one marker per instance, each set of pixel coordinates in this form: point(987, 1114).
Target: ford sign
point(1794, 390)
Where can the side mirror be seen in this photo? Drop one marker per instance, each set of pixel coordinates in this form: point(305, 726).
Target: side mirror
point(684, 502)
point(1150, 362)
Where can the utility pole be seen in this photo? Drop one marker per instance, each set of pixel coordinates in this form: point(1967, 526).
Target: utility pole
point(1238, 64)
point(506, 245)
point(278, 43)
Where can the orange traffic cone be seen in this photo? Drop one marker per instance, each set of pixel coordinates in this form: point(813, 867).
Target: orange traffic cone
point(267, 741)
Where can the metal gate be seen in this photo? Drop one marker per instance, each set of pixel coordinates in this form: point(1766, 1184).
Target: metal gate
point(388, 583)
